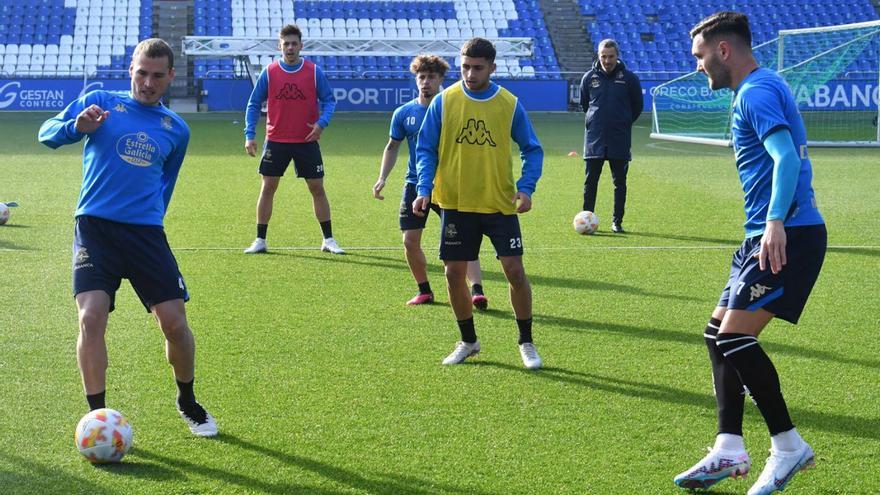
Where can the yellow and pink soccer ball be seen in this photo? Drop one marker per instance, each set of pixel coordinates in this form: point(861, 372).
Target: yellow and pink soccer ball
point(585, 222)
point(103, 436)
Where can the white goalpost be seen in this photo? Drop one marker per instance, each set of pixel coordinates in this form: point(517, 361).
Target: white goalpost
point(833, 72)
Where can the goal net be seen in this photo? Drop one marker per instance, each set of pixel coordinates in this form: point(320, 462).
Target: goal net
point(833, 72)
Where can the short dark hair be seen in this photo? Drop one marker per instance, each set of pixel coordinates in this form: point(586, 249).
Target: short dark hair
point(290, 29)
point(154, 48)
point(478, 48)
point(724, 24)
point(429, 63)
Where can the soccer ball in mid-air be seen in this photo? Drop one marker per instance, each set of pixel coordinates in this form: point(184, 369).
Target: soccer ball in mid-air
point(4, 213)
point(585, 222)
point(103, 435)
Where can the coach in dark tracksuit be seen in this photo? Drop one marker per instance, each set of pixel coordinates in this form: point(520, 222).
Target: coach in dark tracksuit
point(611, 96)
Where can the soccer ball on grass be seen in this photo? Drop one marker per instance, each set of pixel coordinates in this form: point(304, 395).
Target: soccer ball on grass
point(585, 222)
point(4, 213)
point(103, 435)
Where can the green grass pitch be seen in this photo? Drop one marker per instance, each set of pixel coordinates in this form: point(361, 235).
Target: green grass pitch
point(324, 382)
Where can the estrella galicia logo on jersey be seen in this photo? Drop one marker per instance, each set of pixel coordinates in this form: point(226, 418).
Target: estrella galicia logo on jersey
point(137, 149)
point(756, 291)
point(290, 91)
point(475, 132)
point(451, 231)
point(166, 122)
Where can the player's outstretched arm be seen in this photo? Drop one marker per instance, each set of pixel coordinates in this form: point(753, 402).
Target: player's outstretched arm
point(72, 124)
point(389, 158)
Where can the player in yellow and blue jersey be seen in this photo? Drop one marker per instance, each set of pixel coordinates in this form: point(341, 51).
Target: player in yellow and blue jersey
point(464, 166)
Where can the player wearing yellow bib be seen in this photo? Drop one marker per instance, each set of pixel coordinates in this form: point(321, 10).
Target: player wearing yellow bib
point(463, 158)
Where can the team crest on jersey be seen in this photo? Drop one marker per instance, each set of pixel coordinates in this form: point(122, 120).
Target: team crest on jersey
point(451, 231)
point(166, 123)
point(620, 75)
point(594, 82)
point(82, 255)
point(81, 259)
point(290, 91)
point(267, 155)
point(475, 132)
point(120, 108)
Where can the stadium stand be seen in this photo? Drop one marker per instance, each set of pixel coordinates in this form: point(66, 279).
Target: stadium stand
point(377, 20)
point(654, 34)
point(60, 38)
point(72, 38)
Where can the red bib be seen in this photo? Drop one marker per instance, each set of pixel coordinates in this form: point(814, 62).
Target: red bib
point(292, 103)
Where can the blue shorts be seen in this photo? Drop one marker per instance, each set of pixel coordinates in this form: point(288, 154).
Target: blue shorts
point(784, 294)
point(105, 252)
point(462, 233)
point(408, 220)
point(306, 158)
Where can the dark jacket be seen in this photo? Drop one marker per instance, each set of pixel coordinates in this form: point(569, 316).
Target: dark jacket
point(612, 103)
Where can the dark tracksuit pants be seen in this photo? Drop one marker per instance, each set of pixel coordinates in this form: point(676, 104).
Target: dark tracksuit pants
point(619, 168)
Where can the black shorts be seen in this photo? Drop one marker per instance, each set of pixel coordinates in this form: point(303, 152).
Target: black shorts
point(462, 233)
point(105, 252)
point(306, 158)
point(784, 294)
point(408, 220)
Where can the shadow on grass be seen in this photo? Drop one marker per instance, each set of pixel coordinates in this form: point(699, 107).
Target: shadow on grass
point(853, 426)
point(499, 278)
point(381, 483)
point(695, 338)
point(689, 238)
point(33, 477)
point(855, 250)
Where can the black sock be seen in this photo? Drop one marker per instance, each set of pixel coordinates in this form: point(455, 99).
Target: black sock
point(468, 333)
point(729, 394)
point(758, 374)
point(326, 229)
point(477, 289)
point(96, 401)
point(525, 330)
point(425, 288)
point(261, 230)
point(185, 396)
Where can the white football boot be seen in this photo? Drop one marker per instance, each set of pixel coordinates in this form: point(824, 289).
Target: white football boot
point(329, 245)
point(259, 246)
point(463, 350)
point(780, 469)
point(530, 357)
point(716, 466)
point(203, 426)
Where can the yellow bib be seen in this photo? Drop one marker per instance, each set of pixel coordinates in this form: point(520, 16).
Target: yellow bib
point(474, 167)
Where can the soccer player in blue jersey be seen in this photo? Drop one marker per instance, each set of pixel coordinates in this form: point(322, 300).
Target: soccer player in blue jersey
point(429, 71)
point(774, 271)
point(464, 166)
point(134, 147)
point(294, 90)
